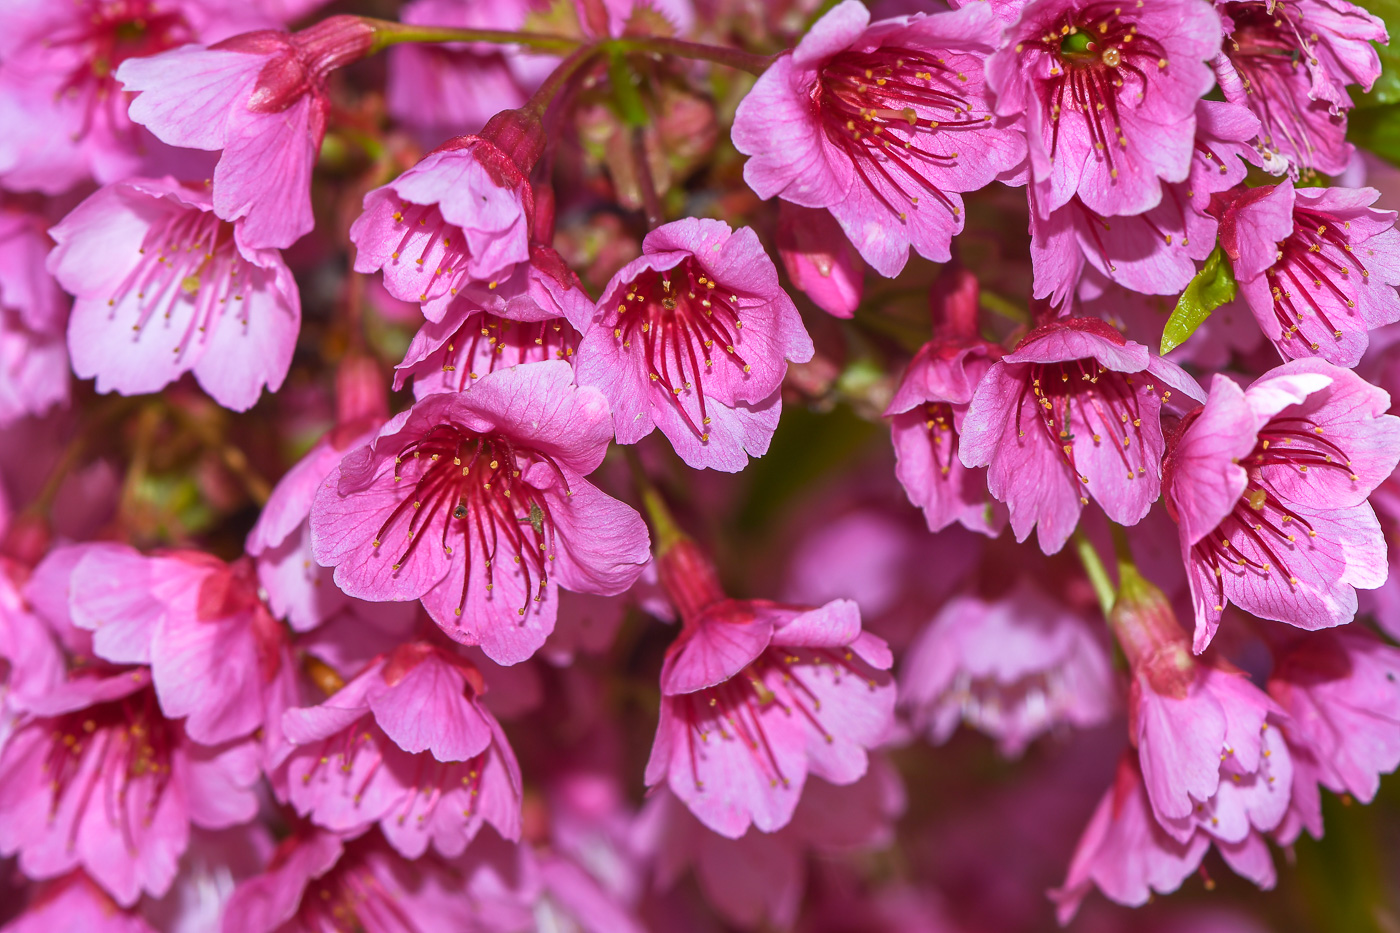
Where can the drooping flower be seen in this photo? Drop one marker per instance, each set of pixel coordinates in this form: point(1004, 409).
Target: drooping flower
point(1290, 62)
point(819, 259)
point(408, 745)
point(475, 502)
point(1212, 755)
point(928, 408)
point(694, 337)
point(1154, 252)
point(1341, 691)
point(1317, 266)
point(469, 342)
point(882, 124)
point(1074, 411)
point(96, 777)
point(756, 695)
point(260, 98)
point(1124, 852)
point(164, 287)
point(1268, 487)
point(1013, 668)
point(1108, 94)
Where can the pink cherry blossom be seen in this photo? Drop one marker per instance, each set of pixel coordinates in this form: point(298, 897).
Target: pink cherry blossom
point(1316, 266)
point(819, 259)
point(1341, 691)
point(1074, 411)
point(260, 98)
point(33, 356)
point(1290, 61)
point(755, 695)
point(494, 478)
point(888, 158)
point(1013, 668)
point(164, 288)
point(74, 903)
point(97, 778)
point(1108, 94)
point(694, 337)
point(408, 745)
point(1155, 252)
point(1124, 852)
point(1268, 486)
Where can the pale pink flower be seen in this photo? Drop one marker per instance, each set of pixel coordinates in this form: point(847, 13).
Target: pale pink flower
point(475, 502)
point(819, 259)
point(883, 124)
point(164, 287)
point(33, 310)
point(260, 98)
point(694, 337)
point(1290, 61)
point(1013, 668)
point(1108, 94)
point(1317, 266)
point(1074, 411)
point(71, 904)
point(408, 745)
point(1268, 487)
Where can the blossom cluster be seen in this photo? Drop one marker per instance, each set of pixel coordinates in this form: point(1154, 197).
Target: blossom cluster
point(401, 530)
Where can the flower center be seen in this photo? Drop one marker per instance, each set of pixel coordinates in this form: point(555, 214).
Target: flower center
point(486, 342)
point(677, 318)
point(1093, 52)
point(472, 484)
point(1316, 253)
point(943, 437)
point(877, 105)
point(1082, 397)
point(1266, 47)
point(1262, 529)
point(188, 256)
point(447, 257)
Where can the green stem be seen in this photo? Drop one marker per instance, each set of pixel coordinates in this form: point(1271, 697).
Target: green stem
point(661, 45)
point(544, 94)
point(387, 33)
point(1096, 571)
point(666, 532)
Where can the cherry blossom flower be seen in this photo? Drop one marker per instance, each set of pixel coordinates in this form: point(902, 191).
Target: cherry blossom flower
point(260, 98)
point(882, 124)
point(33, 356)
point(819, 259)
point(405, 744)
point(1073, 411)
point(1013, 668)
point(1268, 487)
point(1290, 61)
point(1316, 266)
point(475, 502)
point(165, 287)
point(694, 337)
point(1108, 94)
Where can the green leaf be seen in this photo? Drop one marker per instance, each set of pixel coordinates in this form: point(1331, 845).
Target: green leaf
point(1212, 287)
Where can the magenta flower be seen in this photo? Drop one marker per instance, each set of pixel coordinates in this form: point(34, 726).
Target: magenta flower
point(1268, 487)
point(1124, 852)
point(97, 778)
point(217, 658)
point(468, 343)
point(1014, 669)
point(755, 695)
point(1317, 267)
point(1341, 691)
point(1108, 93)
point(1155, 252)
point(408, 745)
point(1290, 61)
point(164, 288)
point(74, 902)
point(694, 337)
point(1073, 411)
point(33, 311)
point(884, 125)
point(475, 502)
point(458, 222)
point(819, 259)
point(261, 99)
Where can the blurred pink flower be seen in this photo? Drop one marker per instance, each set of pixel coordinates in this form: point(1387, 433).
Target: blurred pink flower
point(888, 158)
point(1268, 487)
point(260, 98)
point(495, 514)
point(819, 259)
